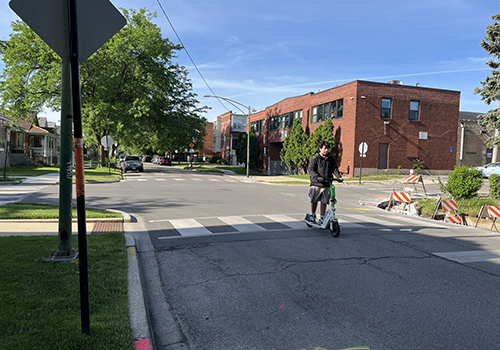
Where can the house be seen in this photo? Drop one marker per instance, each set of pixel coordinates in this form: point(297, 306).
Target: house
point(28, 143)
point(401, 125)
point(226, 128)
point(474, 151)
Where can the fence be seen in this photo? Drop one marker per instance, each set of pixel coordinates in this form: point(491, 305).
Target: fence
point(276, 167)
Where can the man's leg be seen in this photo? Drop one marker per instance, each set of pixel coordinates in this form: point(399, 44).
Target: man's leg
point(322, 209)
point(313, 207)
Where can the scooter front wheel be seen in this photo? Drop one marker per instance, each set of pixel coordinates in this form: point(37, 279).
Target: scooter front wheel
point(334, 228)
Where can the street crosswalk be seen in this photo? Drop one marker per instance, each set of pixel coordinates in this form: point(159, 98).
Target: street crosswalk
point(187, 179)
point(170, 228)
point(16, 193)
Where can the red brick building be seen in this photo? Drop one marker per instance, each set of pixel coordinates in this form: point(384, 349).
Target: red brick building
point(226, 129)
point(399, 123)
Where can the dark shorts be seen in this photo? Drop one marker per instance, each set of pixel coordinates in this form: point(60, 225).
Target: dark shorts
point(319, 194)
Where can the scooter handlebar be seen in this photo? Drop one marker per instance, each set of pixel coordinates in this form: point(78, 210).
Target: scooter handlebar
point(331, 179)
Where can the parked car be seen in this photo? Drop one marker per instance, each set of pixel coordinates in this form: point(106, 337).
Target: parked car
point(489, 169)
point(147, 159)
point(132, 163)
point(156, 160)
point(165, 161)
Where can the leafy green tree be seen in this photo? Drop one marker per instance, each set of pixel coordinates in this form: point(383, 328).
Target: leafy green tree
point(293, 151)
point(323, 132)
point(241, 149)
point(131, 88)
point(490, 86)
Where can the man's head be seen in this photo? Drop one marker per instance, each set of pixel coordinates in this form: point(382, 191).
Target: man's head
point(324, 148)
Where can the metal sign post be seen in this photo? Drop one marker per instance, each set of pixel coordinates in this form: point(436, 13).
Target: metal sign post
point(74, 23)
point(363, 147)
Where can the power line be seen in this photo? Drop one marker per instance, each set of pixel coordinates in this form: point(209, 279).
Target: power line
point(190, 58)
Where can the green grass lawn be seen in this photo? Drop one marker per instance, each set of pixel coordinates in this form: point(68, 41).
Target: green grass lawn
point(40, 299)
point(46, 211)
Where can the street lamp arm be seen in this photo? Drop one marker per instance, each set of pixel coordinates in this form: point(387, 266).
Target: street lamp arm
point(234, 103)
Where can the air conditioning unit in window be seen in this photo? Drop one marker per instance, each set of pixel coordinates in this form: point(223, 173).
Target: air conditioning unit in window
point(395, 82)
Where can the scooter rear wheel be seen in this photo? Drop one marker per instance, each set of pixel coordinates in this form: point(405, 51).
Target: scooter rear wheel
point(334, 228)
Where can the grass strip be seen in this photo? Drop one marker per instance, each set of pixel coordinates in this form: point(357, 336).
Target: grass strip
point(47, 211)
point(40, 299)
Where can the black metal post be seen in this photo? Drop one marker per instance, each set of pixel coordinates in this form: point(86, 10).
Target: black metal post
point(80, 182)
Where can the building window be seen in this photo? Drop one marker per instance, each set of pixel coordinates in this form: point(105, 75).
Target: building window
point(414, 109)
point(385, 110)
point(285, 121)
point(258, 125)
point(329, 110)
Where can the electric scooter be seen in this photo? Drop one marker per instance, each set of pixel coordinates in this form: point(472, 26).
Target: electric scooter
point(329, 221)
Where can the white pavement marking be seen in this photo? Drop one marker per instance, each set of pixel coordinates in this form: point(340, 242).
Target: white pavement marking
point(160, 179)
point(471, 256)
point(195, 179)
point(142, 180)
point(286, 220)
point(179, 179)
point(229, 180)
point(241, 224)
point(189, 227)
point(214, 180)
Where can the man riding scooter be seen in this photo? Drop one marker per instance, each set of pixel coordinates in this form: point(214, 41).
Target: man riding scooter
point(321, 168)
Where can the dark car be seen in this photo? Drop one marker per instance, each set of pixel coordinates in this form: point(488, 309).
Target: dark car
point(166, 161)
point(132, 163)
point(147, 159)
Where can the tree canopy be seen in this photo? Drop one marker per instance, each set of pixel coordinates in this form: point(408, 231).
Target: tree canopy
point(241, 149)
point(490, 86)
point(298, 148)
point(293, 152)
point(131, 88)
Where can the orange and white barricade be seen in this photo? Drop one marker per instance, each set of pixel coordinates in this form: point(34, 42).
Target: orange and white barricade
point(493, 213)
point(414, 179)
point(400, 197)
point(490, 212)
point(450, 209)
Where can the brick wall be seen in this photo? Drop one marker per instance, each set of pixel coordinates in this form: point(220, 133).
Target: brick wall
point(361, 122)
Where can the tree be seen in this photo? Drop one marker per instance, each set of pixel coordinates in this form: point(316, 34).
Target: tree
point(131, 89)
point(293, 152)
point(490, 86)
point(323, 132)
point(241, 149)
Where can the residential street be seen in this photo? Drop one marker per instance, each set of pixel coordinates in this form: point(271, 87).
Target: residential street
point(227, 263)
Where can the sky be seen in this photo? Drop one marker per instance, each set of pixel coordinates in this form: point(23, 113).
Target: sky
point(262, 51)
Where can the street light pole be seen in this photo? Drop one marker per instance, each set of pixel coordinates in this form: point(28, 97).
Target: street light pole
point(235, 103)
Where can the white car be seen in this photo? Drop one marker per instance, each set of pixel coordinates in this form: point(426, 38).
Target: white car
point(489, 169)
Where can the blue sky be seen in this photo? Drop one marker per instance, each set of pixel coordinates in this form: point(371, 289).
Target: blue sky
point(262, 51)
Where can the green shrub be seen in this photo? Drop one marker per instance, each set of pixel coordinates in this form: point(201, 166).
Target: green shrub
point(494, 186)
point(221, 161)
point(463, 182)
point(214, 159)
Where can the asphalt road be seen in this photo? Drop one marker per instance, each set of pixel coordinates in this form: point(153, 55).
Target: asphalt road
point(229, 267)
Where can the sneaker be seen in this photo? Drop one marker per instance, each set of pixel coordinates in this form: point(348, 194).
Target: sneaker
point(311, 218)
point(320, 221)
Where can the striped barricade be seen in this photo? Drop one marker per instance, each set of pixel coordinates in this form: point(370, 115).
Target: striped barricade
point(453, 219)
point(449, 205)
point(400, 197)
point(450, 209)
point(494, 213)
point(414, 179)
